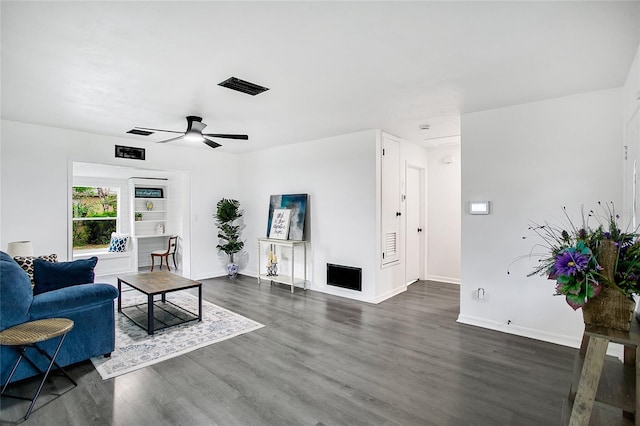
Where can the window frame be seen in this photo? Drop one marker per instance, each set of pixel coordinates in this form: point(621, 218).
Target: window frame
point(118, 218)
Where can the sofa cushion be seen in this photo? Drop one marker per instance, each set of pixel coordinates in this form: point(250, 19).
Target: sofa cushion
point(52, 276)
point(62, 301)
point(15, 293)
point(26, 263)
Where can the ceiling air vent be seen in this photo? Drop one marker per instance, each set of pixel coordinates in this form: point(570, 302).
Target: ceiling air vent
point(140, 132)
point(234, 83)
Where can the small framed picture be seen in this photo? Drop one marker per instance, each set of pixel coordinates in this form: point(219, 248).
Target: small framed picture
point(149, 193)
point(280, 224)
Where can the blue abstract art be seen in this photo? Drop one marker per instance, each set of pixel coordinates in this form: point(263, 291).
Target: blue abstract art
point(297, 203)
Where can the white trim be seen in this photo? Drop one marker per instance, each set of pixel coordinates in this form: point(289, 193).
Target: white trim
point(560, 339)
point(532, 333)
point(439, 278)
point(389, 294)
point(101, 254)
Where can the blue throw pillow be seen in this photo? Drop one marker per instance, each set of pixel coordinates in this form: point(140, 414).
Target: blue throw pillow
point(52, 276)
point(118, 243)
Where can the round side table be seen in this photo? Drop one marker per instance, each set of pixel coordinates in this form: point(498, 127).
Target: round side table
point(28, 335)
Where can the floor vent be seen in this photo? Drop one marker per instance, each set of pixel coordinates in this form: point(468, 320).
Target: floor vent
point(344, 276)
point(234, 83)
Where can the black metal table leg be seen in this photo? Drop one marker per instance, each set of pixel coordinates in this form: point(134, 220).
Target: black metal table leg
point(46, 374)
point(150, 314)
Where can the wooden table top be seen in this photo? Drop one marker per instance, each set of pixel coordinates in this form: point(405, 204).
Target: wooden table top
point(158, 282)
point(35, 331)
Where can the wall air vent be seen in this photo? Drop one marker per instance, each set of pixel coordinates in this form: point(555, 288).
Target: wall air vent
point(130, 152)
point(140, 132)
point(234, 83)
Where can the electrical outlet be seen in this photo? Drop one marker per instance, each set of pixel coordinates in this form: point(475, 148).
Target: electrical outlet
point(479, 295)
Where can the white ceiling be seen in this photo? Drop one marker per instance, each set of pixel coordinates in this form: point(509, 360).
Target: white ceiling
point(332, 67)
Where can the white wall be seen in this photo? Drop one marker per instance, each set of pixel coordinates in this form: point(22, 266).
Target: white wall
point(35, 181)
point(631, 129)
point(339, 175)
point(631, 90)
point(443, 214)
point(529, 161)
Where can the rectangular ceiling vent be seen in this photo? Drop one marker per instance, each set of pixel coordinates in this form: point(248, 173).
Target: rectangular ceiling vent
point(140, 132)
point(234, 83)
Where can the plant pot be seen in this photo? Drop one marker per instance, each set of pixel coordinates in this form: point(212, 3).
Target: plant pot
point(610, 309)
point(232, 270)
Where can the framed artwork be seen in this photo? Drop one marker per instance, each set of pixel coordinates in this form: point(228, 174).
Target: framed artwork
point(297, 203)
point(280, 224)
point(149, 193)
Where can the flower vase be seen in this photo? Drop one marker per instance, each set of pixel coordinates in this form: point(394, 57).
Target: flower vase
point(610, 308)
point(232, 269)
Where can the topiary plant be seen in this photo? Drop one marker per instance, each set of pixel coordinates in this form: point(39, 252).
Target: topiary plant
point(228, 211)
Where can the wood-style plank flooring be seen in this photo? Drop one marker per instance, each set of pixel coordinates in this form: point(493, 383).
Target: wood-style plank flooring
point(324, 360)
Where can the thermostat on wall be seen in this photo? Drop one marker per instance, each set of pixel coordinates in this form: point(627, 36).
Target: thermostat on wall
point(478, 207)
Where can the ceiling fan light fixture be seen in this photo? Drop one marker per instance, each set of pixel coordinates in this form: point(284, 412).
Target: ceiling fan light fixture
point(193, 137)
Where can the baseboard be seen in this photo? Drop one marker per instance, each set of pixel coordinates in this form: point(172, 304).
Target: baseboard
point(389, 294)
point(532, 333)
point(440, 278)
point(560, 339)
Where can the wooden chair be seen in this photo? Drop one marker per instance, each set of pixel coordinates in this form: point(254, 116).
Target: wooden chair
point(171, 250)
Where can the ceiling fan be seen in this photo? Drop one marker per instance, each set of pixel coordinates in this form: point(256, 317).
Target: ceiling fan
point(195, 126)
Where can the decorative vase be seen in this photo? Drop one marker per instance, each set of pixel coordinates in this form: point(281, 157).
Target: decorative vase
point(610, 308)
point(272, 270)
point(232, 268)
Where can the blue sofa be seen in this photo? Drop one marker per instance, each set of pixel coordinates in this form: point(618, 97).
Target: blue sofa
point(90, 306)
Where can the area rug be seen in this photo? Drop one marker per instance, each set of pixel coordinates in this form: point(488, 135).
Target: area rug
point(135, 349)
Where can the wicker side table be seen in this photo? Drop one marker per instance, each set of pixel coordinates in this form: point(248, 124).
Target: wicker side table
point(28, 335)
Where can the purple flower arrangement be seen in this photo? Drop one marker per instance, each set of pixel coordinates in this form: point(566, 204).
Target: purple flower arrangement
point(572, 258)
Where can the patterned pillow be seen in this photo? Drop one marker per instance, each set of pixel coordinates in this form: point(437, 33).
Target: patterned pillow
point(26, 263)
point(118, 242)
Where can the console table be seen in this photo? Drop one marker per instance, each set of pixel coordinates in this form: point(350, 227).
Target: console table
point(291, 247)
point(618, 387)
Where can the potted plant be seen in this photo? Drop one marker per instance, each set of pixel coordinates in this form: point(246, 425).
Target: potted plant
point(227, 212)
point(595, 268)
point(138, 216)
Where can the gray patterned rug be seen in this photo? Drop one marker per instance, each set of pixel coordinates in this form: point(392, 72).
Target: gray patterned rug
point(135, 349)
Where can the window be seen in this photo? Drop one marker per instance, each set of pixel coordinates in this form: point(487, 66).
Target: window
point(95, 216)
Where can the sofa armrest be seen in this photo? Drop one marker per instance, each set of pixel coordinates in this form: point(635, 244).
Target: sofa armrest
point(56, 302)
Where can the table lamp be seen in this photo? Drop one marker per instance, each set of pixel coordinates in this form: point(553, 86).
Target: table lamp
point(20, 248)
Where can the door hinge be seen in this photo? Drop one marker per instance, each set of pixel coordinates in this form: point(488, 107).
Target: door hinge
point(383, 255)
point(626, 149)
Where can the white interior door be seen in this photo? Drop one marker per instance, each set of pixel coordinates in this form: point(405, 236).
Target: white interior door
point(414, 232)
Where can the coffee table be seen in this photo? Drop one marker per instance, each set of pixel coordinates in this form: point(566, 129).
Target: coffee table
point(158, 283)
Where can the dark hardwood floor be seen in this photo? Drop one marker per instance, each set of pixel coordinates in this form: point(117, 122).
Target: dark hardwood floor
point(324, 360)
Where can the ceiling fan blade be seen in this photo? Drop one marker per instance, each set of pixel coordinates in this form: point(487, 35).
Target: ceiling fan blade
point(211, 143)
point(172, 139)
point(216, 135)
point(157, 130)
